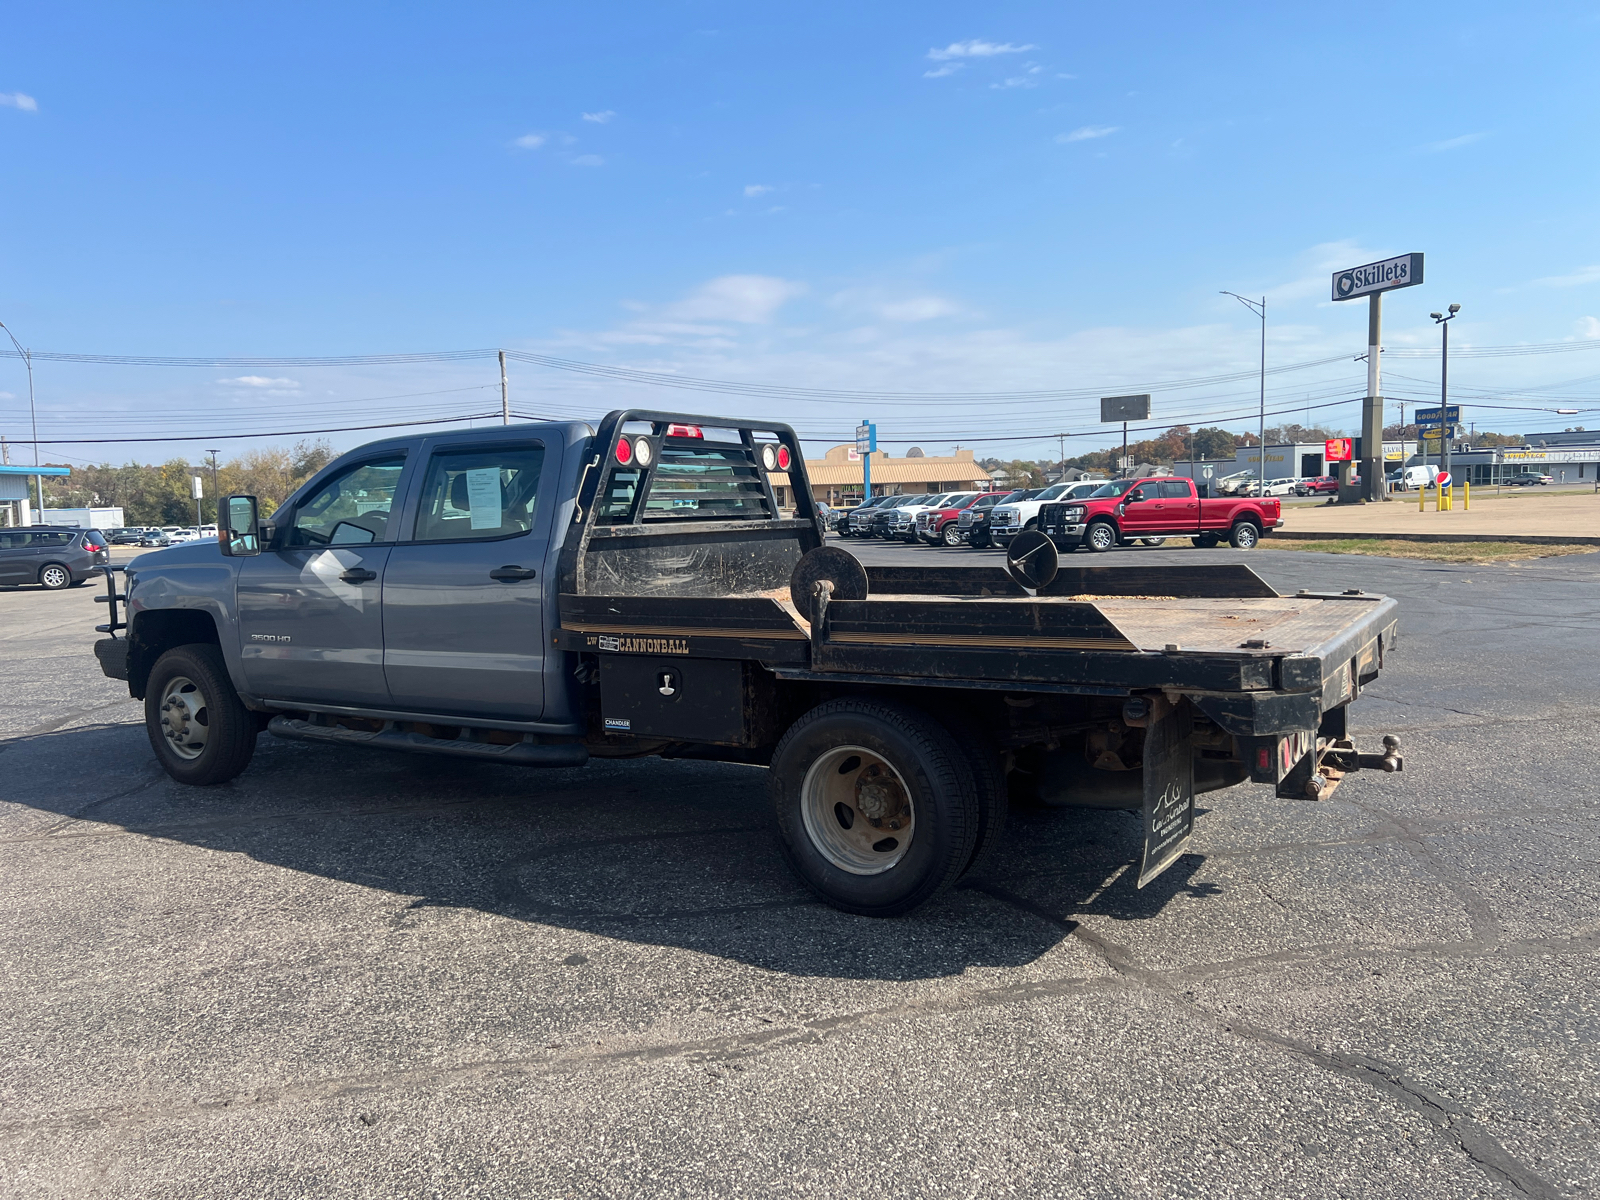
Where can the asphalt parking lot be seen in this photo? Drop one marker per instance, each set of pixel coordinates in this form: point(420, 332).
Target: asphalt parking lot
point(351, 974)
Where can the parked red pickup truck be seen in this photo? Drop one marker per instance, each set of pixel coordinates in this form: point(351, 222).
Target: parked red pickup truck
point(1150, 508)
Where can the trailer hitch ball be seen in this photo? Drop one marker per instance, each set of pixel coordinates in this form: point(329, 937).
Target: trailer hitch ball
point(1391, 753)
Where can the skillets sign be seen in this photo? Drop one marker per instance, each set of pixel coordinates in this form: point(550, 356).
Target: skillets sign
point(1405, 271)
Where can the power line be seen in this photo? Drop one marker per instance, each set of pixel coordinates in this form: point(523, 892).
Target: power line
point(201, 437)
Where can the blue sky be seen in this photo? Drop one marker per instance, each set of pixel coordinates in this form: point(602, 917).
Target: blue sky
point(896, 198)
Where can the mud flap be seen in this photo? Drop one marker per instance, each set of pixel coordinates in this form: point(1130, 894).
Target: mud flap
point(1168, 788)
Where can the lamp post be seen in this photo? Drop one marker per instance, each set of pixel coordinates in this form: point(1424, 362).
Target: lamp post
point(1443, 322)
point(1260, 309)
point(33, 416)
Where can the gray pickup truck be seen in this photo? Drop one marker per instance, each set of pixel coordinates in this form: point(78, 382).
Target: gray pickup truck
point(542, 594)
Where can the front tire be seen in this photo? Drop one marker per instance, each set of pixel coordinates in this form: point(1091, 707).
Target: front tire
point(951, 536)
point(877, 811)
point(1152, 541)
point(53, 577)
point(1102, 535)
point(1244, 536)
point(200, 731)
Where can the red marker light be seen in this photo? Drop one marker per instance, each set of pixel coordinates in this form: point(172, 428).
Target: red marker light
point(624, 451)
point(783, 458)
point(684, 431)
point(1263, 759)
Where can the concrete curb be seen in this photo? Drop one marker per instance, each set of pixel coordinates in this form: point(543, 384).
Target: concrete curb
point(1530, 539)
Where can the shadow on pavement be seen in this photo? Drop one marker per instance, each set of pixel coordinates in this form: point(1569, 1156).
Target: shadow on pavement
point(663, 853)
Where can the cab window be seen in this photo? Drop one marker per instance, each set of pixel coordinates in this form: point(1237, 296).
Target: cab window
point(351, 509)
point(479, 494)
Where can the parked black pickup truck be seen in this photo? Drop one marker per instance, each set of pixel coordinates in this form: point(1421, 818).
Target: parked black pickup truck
point(542, 594)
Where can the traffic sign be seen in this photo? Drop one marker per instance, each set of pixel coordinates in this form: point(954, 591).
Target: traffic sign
point(1405, 271)
point(1337, 450)
point(1437, 416)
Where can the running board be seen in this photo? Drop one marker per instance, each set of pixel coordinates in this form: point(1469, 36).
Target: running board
point(521, 754)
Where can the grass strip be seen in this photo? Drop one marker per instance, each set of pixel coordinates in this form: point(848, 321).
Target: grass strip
point(1486, 551)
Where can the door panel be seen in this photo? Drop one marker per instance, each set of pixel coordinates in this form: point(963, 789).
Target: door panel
point(310, 619)
point(458, 639)
point(307, 634)
point(1143, 514)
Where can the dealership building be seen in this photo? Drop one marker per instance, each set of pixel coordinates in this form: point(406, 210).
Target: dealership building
point(1567, 457)
point(836, 476)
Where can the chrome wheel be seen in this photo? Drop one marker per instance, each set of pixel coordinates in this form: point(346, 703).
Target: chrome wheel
point(184, 720)
point(952, 535)
point(857, 811)
point(54, 577)
point(1102, 536)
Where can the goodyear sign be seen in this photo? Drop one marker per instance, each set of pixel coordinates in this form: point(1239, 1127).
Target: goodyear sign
point(1405, 271)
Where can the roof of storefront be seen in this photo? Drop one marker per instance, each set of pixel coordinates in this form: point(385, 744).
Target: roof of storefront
point(837, 467)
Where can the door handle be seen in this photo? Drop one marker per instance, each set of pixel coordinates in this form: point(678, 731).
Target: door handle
point(358, 575)
point(511, 574)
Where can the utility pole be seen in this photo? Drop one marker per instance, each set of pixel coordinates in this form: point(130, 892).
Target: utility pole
point(505, 392)
point(1125, 463)
point(33, 414)
point(1061, 443)
point(1261, 311)
point(216, 490)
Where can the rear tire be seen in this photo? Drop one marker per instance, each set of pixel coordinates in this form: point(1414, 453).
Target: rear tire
point(53, 577)
point(1245, 535)
point(1100, 536)
point(877, 809)
point(989, 775)
point(1153, 541)
point(198, 728)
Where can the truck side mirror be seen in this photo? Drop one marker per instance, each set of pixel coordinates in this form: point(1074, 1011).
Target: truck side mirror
point(238, 527)
point(1135, 496)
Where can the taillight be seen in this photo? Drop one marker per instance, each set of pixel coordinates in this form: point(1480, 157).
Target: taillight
point(684, 431)
point(624, 451)
point(783, 458)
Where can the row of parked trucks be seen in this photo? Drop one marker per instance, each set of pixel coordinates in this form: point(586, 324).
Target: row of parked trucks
point(1096, 515)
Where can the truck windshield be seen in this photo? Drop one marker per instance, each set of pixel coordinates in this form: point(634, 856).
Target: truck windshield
point(1113, 489)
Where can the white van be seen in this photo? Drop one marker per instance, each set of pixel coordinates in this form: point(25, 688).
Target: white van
point(1419, 477)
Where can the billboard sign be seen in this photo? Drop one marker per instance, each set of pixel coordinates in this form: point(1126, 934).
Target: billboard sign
point(863, 439)
point(1405, 271)
point(1125, 408)
point(1338, 449)
point(1438, 416)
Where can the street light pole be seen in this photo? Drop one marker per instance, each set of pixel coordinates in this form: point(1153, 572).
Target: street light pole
point(33, 415)
point(1260, 309)
point(1443, 322)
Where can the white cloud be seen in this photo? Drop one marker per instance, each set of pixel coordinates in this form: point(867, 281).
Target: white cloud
point(530, 141)
point(1588, 327)
point(13, 395)
point(599, 118)
point(588, 160)
point(949, 68)
point(1454, 143)
point(748, 299)
point(1086, 133)
point(18, 100)
point(1577, 278)
point(259, 381)
point(758, 189)
point(976, 48)
point(918, 308)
